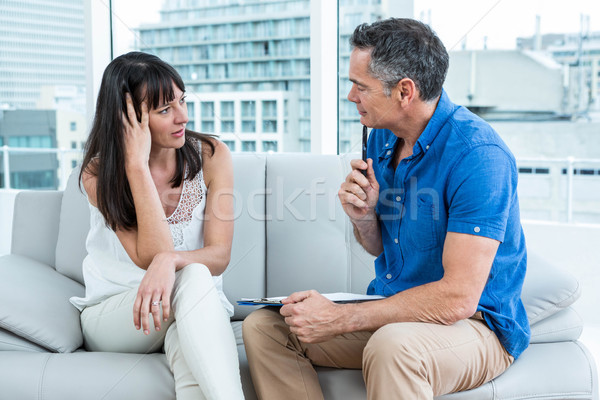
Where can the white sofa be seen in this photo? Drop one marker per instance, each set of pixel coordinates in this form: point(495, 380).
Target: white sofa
point(290, 234)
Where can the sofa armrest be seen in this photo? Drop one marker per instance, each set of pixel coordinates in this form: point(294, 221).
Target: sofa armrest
point(35, 225)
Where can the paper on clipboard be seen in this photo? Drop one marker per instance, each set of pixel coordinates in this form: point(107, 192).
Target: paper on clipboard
point(339, 297)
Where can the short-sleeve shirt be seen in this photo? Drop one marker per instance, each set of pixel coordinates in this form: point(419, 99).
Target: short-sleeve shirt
point(460, 178)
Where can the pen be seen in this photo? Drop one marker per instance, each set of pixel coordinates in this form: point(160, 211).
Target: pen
point(364, 148)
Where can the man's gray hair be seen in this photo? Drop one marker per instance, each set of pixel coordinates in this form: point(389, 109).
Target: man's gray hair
point(404, 48)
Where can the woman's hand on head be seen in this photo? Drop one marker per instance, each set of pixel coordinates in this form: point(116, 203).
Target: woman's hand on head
point(137, 135)
point(156, 287)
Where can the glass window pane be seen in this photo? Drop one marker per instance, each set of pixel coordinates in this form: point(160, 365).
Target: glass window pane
point(558, 85)
point(42, 86)
point(228, 53)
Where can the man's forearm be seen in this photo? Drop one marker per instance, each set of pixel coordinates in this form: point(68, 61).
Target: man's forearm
point(368, 234)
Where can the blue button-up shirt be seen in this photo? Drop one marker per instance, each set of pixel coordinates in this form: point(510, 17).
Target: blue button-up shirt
point(461, 178)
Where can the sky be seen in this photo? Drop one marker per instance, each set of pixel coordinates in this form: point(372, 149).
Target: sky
point(502, 21)
point(455, 21)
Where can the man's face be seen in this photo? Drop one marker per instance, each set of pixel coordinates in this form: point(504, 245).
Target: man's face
point(375, 108)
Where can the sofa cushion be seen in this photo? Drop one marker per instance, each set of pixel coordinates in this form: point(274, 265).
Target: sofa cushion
point(560, 327)
point(36, 305)
point(35, 224)
point(306, 225)
point(245, 274)
point(547, 289)
point(74, 225)
point(11, 342)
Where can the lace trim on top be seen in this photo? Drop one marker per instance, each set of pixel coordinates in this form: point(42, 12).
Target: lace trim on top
point(192, 195)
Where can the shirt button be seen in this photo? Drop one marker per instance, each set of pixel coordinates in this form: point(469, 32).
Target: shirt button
point(388, 152)
point(398, 198)
point(477, 229)
point(427, 147)
point(396, 240)
point(387, 144)
point(389, 276)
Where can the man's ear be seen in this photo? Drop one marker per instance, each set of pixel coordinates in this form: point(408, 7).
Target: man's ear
point(406, 91)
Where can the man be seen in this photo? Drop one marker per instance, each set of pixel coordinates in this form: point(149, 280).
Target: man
point(438, 207)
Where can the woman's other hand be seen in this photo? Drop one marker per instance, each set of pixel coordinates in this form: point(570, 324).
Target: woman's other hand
point(137, 135)
point(156, 287)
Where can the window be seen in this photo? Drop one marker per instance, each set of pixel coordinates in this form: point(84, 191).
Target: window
point(269, 146)
point(248, 146)
point(227, 109)
point(30, 141)
point(248, 109)
point(529, 127)
point(208, 127)
point(207, 110)
point(230, 144)
point(238, 51)
point(248, 126)
point(227, 126)
point(45, 84)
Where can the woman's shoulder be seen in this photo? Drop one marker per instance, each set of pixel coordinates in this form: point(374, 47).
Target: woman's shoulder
point(89, 179)
point(212, 148)
point(217, 161)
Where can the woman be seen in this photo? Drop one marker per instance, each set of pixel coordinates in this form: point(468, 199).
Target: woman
point(161, 230)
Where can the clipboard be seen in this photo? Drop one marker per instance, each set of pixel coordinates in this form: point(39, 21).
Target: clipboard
point(339, 298)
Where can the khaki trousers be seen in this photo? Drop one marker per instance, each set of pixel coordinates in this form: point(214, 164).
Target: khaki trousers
point(413, 361)
point(198, 340)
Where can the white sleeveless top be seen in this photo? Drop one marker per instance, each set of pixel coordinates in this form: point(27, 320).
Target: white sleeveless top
point(108, 269)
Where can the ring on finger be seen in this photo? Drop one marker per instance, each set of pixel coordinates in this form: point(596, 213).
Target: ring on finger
point(155, 303)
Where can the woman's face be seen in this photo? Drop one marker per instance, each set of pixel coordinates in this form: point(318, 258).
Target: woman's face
point(167, 122)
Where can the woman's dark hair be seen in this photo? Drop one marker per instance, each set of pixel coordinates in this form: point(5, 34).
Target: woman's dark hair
point(146, 78)
point(404, 48)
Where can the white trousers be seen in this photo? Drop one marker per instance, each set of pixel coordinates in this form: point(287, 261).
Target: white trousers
point(198, 341)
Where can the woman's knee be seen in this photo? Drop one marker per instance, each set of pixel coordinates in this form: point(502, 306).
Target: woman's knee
point(194, 284)
point(196, 271)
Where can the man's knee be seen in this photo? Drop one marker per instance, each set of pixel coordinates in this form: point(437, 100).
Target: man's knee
point(265, 328)
point(391, 345)
point(259, 322)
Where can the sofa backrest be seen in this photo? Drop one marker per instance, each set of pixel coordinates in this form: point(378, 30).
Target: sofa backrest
point(310, 243)
point(35, 228)
point(73, 228)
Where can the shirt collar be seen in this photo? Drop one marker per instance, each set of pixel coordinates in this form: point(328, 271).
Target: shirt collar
point(444, 109)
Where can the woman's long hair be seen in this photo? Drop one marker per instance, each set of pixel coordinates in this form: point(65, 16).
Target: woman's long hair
point(146, 78)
